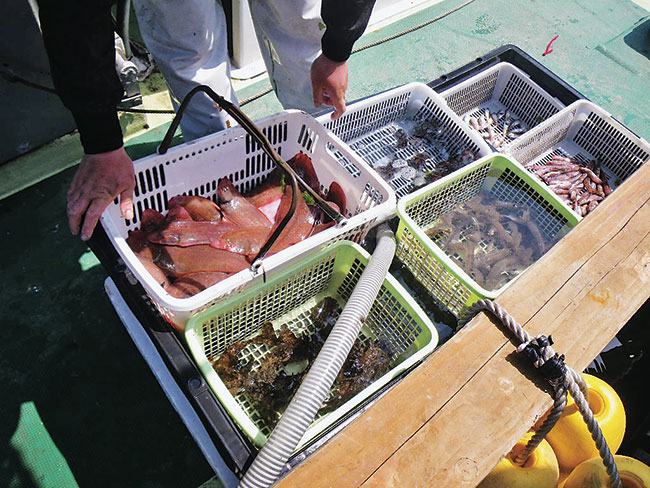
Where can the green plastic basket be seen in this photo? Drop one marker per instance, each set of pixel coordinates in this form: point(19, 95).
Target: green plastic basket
point(495, 174)
point(286, 301)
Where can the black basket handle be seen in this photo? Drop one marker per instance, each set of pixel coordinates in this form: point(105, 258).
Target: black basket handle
point(250, 127)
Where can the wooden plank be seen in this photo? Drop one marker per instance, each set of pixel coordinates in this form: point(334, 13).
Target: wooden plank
point(489, 414)
point(449, 421)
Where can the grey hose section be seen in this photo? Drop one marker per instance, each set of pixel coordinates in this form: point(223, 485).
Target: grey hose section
point(314, 389)
point(572, 380)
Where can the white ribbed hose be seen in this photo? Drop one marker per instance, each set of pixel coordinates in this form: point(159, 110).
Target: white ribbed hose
point(317, 383)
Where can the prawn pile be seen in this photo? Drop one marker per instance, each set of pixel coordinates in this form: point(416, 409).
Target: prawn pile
point(497, 128)
point(583, 185)
point(200, 243)
point(490, 239)
point(270, 382)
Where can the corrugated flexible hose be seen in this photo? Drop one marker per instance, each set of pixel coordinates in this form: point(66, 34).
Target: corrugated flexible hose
point(311, 394)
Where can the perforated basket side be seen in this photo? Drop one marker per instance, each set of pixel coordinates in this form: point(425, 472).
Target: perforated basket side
point(417, 252)
point(473, 93)
point(369, 126)
point(503, 87)
point(368, 117)
point(527, 148)
point(584, 131)
point(286, 300)
point(392, 318)
point(510, 88)
point(532, 103)
point(439, 280)
point(610, 142)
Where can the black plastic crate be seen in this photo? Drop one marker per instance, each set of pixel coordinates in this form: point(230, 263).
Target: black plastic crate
point(510, 53)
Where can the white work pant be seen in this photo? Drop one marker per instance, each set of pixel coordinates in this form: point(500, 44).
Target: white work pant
point(188, 40)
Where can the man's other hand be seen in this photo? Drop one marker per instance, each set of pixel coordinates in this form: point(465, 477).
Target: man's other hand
point(329, 81)
point(100, 178)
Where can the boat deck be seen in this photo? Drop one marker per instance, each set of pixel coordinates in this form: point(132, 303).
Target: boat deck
point(465, 407)
point(72, 375)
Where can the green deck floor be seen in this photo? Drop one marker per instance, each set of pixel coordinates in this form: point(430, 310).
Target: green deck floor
point(69, 373)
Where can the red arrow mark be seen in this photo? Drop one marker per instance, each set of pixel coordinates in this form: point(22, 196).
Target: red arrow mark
point(548, 48)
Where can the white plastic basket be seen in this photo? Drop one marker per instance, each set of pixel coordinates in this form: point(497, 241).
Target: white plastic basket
point(584, 131)
point(502, 87)
point(194, 169)
point(369, 127)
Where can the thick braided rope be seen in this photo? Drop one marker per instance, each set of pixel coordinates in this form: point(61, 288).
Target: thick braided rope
point(554, 415)
point(596, 433)
point(572, 382)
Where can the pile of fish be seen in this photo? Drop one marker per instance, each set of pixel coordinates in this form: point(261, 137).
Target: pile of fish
point(497, 128)
point(583, 185)
point(490, 239)
point(200, 243)
point(415, 152)
point(269, 383)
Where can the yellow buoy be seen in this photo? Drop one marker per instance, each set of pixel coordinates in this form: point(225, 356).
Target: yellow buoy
point(539, 471)
point(562, 479)
point(570, 437)
point(592, 474)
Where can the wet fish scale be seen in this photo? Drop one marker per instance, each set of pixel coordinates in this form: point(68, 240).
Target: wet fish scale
point(199, 208)
point(237, 208)
point(243, 240)
point(269, 191)
point(190, 233)
point(193, 283)
point(178, 261)
point(299, 227)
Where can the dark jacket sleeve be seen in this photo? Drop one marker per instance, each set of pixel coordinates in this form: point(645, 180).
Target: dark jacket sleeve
point(79, 41)
point(345, 21)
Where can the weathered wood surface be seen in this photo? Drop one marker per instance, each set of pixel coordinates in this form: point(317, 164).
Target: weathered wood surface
point(451, 420)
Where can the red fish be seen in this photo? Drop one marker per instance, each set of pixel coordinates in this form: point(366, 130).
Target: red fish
point(141, 246)
point(299, 227)
point(271, 209)
point(193, 283)
point(302, 165)
point(336, 195)
point(178, 261)
point(189, 233)
point(200, 209)
point(145, 251)
point(237, 209)
point(324, 224)
point(337, 200)
point(243, 240)
point(267, 196)
point(269, 191)
point(137, 241)
point(151, 220)
point(155, 272)
point(178, 213)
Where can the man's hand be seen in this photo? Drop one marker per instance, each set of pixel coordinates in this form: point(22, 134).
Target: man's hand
point(99, 179)
point(329, 81)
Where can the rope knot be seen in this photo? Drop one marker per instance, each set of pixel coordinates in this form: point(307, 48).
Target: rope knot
point(540, 352)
